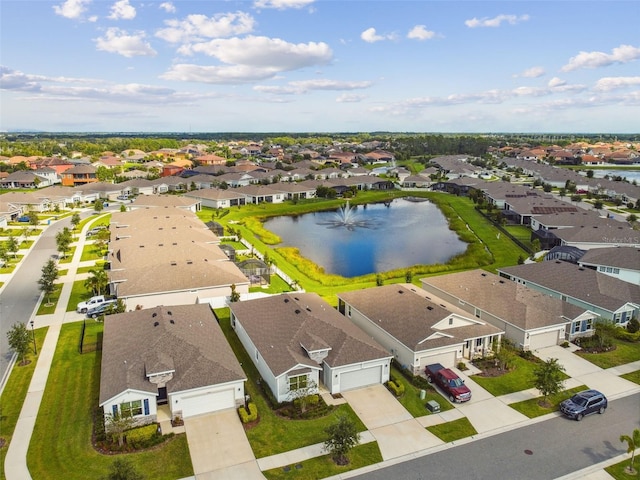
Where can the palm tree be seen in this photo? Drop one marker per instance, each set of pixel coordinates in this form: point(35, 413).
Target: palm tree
point(97, 281)
point(633, 442)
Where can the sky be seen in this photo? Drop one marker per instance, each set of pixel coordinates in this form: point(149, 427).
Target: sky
point(320, 66)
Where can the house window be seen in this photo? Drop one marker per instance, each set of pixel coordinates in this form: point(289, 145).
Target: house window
point(450, 321)
point(131, 408)
point(478, 342)
point(298, 382)
point(589, 324)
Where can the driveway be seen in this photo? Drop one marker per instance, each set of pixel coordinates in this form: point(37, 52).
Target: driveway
point(219, 447)
point(395, 430)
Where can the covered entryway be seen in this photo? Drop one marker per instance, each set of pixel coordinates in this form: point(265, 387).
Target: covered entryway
point(543, 340)
point(206, 402)
point(446, 359)
point(360, 378)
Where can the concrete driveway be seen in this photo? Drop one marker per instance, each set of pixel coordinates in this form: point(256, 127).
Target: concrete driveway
point(574, 365)
point(395, 429)
point(219, 447)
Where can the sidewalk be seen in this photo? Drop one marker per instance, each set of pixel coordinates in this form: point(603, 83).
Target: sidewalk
point(15, 465)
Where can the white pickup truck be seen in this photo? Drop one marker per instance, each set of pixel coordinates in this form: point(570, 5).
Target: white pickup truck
point(91, 303)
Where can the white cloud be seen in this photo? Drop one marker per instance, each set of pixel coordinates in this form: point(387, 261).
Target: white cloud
point(350, 98)
point(621, 54)
point(235, 74)
point(612, 83)
point(168, 7)
point(282, 4)
point(196, 28)
point(420, 32)
point(128, 45)
point(264, 52)
point(71, 8)
point(496, 21)
point(370, 36)
point(122, 10)
point(533, 72)
point(304, 86)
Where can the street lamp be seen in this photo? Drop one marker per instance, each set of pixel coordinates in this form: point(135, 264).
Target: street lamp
point(33, 333)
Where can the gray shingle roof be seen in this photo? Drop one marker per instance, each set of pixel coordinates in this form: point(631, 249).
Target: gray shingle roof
point(620, 257)
point(280, 325)
point(183, 338)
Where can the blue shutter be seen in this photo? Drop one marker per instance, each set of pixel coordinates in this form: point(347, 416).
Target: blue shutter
point(114, 408)
point(146, 406)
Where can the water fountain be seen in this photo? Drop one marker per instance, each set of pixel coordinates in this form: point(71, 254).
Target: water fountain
point(347, 217)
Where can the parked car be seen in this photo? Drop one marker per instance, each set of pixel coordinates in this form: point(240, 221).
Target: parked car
point(450, 383)
point(93, 302)
point(24, 218)
point(123, 197)
point(584, 403)
point(101, 309)
point(95, 230)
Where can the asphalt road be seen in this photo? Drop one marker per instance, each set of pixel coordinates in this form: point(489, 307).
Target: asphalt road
point(21, 294)
point(545, 450)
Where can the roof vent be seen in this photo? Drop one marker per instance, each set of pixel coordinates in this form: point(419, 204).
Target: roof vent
point(581, 269)
point(429, 307)
point(172, 322)
point(483, 274)
point(169, 312)
point(297, 311)
point(155, 324)
point(501, 281)
point(400, 292)
point(286, 300)
point(154, 315)
point(308, 309)
point(174, 263)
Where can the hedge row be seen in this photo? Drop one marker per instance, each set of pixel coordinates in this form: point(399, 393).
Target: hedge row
point(251, 415)
point(396, 388)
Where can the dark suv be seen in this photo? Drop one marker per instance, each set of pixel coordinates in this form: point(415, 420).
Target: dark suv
point(584, 403)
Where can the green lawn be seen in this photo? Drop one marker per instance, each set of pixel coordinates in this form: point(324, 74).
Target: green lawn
point(79, 293)
point(321, 467)
point(454, 430)
point(61, 443)
point(518, 379)
point(91, 252)
point(277, 285)
point(100, 264)
point(531, 408)
point(411, 400)
point(618, 472)
point(274, 434)
point(69, 255)
point(632, 377)
point(49, 302)
point(14, 394)
point(625, 352)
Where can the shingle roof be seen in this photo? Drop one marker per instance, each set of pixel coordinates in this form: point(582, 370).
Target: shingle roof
point(620, 257)
point(409, 314)
point(280, 325)
point(585, 284)
point(184, 338)
point(514, 303)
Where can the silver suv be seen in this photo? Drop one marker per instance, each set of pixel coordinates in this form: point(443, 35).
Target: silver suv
point(584, 403)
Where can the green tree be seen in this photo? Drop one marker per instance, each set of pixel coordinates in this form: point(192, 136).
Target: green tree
point(504, 355)
point(632, 218)
point(235, 296)
point(604, 331)
point(123, 469)
point(548, 378)
point(343, 436)
point(589, 173)
point(633, 443)
point(123, 208)
point(576, 198)
point(47, 279)
point(18, 337)
point(598, 204)
point(118, 423)
point(97, 281)
point(301, 396)
point(63, 241)
point(12, 245)
point(98, 205)
point(33, 218)
point(75, 220)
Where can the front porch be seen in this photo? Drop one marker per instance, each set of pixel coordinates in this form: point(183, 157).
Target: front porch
point(163, 417)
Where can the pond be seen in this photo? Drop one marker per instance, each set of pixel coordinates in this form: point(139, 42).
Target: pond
point(372, 238)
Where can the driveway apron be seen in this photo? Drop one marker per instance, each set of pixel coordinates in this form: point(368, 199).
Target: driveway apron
point(217, 442)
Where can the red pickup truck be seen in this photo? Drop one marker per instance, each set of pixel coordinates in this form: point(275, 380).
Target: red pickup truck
point(450, 383)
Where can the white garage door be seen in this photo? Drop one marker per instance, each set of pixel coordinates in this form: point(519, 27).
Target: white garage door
point(542, 340)
point(447, 360)
point(360, 378)
point(207, 402)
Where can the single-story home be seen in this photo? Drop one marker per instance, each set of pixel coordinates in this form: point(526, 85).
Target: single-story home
point(529, 318)
point(297, 340)
point(417, 328)
point(168, 355)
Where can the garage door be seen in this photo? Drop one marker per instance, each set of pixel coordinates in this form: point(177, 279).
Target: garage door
point(542, 340)
point(360, 378)
point(207, 402)
point(447, 360)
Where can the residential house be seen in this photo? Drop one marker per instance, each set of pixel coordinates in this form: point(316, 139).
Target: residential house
point(298, 340)
point(261, 194)
point(217, 197)
point(529, 318)
point(417, 328)
point(607, 296)
point(79, 175)
point(165, 201)
point(172, 356)
point(24, 179)
point(619, 262)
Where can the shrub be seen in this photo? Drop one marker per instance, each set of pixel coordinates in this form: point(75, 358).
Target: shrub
point(527, 354)
point(144, 437)
point(310, 401)
point(462, 366)
point(633, 326)
point(248, 416)
point(396, 388)
point(623, 334)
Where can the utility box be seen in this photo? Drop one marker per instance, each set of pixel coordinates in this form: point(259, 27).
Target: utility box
point(423, 394)
point(433, 406)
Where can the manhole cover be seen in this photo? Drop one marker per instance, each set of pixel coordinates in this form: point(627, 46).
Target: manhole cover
point(528, 452)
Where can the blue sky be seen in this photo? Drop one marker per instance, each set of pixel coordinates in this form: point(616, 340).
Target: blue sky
point(320, 66)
